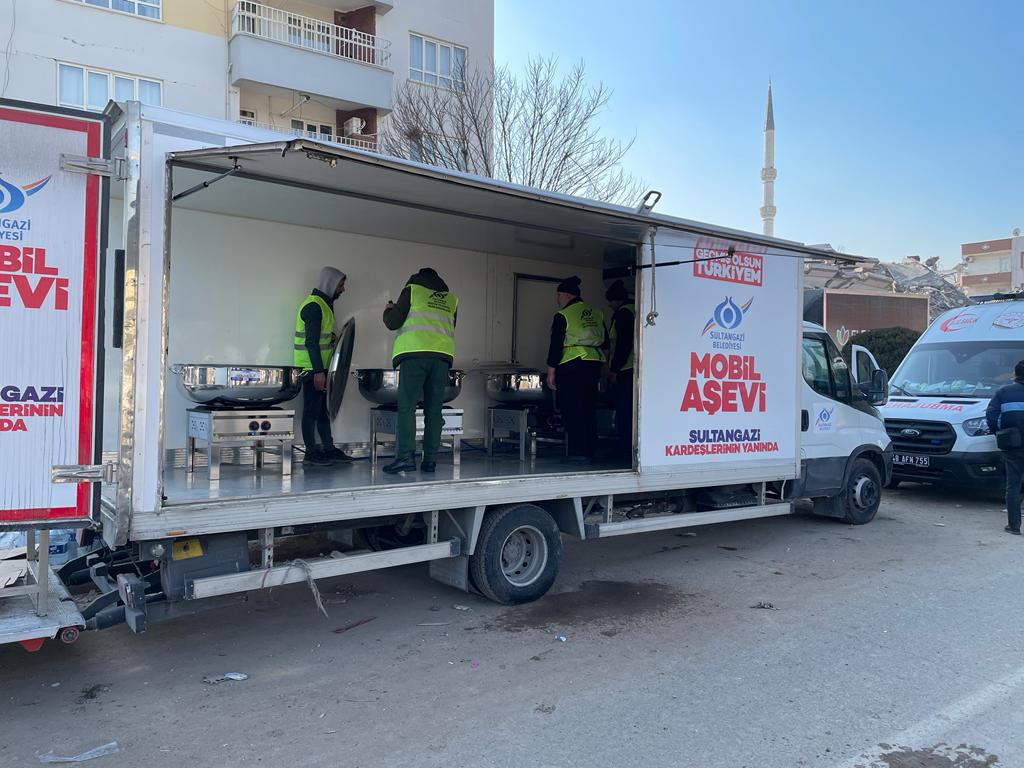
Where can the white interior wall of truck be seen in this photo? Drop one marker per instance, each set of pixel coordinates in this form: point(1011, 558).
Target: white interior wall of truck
point(235, 285)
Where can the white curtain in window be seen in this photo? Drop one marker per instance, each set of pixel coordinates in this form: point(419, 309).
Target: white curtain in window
point(149, 92)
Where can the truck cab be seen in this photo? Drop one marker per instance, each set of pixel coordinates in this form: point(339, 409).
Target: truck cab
point(938, 396)
point(843, 442)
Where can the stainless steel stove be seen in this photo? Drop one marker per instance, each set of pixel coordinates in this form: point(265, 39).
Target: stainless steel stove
point(384, 429)
point(220, 427)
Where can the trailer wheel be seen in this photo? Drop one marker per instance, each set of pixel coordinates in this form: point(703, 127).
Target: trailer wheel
point(68, 635)
point(517, 554)
point(863, 493)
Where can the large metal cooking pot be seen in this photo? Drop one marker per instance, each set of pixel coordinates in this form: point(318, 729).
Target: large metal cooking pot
point(238, 386)
point(380, 385)
point(520, 388)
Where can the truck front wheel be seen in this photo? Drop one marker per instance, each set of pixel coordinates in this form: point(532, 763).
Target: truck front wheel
point(863, 493)
point(517, 554)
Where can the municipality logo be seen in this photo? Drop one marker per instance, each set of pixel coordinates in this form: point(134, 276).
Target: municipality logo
point(728, 315)
point(13, 197)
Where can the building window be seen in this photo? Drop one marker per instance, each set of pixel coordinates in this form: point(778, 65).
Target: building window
point(437, 63)
point(247, 116)
point(87, 88)
point(1004, 263)
point(150, 9)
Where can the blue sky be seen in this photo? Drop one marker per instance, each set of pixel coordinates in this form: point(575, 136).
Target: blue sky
point(899, 125)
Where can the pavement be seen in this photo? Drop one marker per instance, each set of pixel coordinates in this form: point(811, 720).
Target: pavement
point(774, 643)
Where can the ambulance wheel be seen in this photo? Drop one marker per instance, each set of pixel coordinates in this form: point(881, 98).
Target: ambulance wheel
point(68, 635)
point(863, 493)
point(517, 554)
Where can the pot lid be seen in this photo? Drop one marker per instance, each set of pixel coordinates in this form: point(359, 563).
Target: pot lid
point(338, 369)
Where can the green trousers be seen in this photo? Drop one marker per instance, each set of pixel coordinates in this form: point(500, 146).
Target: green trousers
point(420, 380)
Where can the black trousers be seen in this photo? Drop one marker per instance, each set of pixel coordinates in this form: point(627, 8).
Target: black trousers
point(1014, 474)
point(577, 400)
point(314, 416)
point(622, 394)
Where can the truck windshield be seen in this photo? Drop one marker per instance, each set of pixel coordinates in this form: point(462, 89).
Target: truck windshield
point(959, 369)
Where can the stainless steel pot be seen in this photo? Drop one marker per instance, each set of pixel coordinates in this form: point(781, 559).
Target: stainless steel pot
point(380, 385)
point(237, 386)
point(519, 388)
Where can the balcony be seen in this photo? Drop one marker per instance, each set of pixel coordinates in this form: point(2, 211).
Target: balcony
point(362, 142)
point(285, 50)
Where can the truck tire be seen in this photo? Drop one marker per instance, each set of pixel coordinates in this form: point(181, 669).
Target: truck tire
point(517, 554)
point(863, 493)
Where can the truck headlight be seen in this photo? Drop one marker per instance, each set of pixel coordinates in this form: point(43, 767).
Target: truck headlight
point(976, 427)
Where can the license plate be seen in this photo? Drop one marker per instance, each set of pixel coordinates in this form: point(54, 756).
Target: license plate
point(908, 460)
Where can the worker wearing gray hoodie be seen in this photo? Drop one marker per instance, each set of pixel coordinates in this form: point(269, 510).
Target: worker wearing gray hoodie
point(313, 346)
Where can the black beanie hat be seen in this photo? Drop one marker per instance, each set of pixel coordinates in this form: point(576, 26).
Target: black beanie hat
point(617, 292)
point(570, 285)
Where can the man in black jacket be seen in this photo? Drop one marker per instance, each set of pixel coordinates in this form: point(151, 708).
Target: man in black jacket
point(313, 347)
point(1006, 411)
point(424, 319)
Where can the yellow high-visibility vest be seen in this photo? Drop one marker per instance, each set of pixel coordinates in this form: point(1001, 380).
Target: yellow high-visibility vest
point(430, 324)
point(300, 355)
point(584, 332)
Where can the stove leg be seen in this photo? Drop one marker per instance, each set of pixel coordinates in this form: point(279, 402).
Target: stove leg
point(457, 449)
point(286, 457)
point(190, 455)
point(489, 436)
point(257, 455)
point(214, 462)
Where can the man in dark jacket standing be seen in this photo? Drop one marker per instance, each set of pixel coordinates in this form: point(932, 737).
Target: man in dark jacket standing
point(575, 359)
point(619, 368)
point(313, 347)
point(424, 318)
point(1006, 411)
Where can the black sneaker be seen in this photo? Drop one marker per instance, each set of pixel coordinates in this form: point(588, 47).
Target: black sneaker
point(336, 455)
point(408, 464)
point(316, 458)
point(428, 466)
point(1014, 531)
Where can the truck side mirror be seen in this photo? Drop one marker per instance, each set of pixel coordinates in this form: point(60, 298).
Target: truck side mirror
point(878, 393)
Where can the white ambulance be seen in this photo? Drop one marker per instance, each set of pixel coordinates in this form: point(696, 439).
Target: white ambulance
point(938, 395)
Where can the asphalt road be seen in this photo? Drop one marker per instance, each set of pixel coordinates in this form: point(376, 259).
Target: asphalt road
point(892, 645)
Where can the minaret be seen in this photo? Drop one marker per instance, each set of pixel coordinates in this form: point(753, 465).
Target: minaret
point(768, 172)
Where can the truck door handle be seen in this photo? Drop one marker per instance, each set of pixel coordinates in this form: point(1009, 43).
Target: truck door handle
point(805, 421)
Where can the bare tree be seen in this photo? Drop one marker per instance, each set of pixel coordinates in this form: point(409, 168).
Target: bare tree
point(540, 130)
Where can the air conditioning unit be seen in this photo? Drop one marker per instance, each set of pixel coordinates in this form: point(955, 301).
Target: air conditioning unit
point(353, 126)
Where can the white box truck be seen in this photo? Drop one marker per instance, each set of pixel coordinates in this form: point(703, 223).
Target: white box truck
point(201, 237)
point(939, 393)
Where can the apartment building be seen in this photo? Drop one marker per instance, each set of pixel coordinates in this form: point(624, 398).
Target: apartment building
point(992, 266)
point(325, 68)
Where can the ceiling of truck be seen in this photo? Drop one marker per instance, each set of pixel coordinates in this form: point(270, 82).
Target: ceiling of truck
point(302, 186)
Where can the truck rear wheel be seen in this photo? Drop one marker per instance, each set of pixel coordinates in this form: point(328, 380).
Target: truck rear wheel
point(862, 494)
point(517, 554)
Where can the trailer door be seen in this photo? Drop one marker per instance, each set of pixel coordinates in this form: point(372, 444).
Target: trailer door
point(51, 207)
point(719, 364)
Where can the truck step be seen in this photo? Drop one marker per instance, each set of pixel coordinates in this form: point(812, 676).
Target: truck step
point(685, 520)
point(321, 568)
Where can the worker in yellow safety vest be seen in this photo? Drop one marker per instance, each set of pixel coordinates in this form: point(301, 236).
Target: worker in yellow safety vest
point(575, 359)
point(424, 321)
point(618, 370)
point(313, 346)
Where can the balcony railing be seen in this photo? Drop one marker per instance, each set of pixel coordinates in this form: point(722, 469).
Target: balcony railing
point(280, 26)
point(363, 142)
